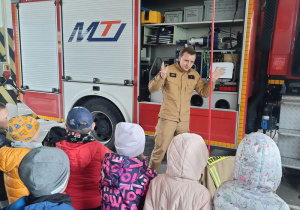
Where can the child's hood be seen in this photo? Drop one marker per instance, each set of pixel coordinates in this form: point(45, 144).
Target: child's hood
point(187, 156)
point(258, 163)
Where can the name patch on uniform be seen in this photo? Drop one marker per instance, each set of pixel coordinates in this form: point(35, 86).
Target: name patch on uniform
point(172, 74)
point(191, 76)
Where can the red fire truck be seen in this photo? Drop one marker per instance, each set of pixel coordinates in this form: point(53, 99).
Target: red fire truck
point(99, 54)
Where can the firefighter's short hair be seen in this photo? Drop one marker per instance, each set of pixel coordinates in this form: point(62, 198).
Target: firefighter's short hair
point(188, 50)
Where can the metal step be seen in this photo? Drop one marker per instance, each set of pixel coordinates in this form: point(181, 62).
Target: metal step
point(290, 163)
point(289, 132)
point(289, 143)
point(289, 113)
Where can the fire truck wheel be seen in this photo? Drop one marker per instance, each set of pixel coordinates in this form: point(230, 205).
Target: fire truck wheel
point(106, 115)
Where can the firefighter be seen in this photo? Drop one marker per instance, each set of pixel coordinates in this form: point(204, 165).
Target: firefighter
point(177, 82)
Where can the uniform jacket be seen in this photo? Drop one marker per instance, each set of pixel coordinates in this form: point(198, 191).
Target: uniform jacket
point(10, 159)
point(85, 164)
point(52, 202)
point(125, 181)
point(219, 169)
point(256, 176)
point(177, 90)
point(179, 187)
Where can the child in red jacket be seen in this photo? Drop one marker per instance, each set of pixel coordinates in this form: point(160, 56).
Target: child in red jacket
point(86, 155)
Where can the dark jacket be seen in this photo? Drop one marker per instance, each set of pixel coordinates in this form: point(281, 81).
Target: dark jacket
point(51, 202)
point(3, 141)
point(56, 134)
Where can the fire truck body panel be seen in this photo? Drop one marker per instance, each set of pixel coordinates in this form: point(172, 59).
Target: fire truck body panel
point(223, 123)
point(39, 46)
point(121, 98)
point(47, 105)
point(283, 45)
point(98, 44)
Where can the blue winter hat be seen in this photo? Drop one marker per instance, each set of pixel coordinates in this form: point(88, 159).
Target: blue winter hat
point(79, 118)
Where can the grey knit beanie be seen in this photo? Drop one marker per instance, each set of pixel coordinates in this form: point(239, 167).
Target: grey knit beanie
point(45, 171)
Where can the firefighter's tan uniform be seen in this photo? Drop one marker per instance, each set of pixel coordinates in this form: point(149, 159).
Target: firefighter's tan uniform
point(219, 169)
point(174, 115)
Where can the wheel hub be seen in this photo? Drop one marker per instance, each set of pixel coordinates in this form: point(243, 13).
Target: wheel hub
point(103, 127)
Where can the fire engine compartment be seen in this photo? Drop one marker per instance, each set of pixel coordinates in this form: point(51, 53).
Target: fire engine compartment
point(162, 42)
point(154, 50)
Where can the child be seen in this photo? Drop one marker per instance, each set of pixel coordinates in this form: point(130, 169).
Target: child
point(25, 134)
point(126, 176)
point(179, 187)
point(256, 176)
point(4, 118)
point(86, 156)
point(45, 172)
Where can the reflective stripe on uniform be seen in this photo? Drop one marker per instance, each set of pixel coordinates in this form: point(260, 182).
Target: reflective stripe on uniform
point(215, 175)
point(214, 159)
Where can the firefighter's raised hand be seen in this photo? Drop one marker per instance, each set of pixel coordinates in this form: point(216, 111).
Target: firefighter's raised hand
point(163, 71)
point(217, 74)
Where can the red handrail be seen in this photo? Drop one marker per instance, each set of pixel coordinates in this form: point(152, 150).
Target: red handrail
point(210, 73)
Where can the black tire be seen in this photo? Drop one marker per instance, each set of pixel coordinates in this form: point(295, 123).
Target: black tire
point(106, 115)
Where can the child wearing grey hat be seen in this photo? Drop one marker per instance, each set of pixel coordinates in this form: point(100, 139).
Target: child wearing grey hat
point(45, 172)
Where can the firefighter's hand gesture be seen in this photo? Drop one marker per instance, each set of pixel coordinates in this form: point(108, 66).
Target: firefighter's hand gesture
point(217, 74)
point(163, 71)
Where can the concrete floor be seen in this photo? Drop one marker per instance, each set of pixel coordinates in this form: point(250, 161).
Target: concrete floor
point(289, 189)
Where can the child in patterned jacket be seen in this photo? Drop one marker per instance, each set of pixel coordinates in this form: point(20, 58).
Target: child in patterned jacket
point(256, 176)
point(125, 176)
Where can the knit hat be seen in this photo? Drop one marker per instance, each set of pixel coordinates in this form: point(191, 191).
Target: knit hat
point(45, 171)
point(129, 139)
point(22, 128)
point(79, 118)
